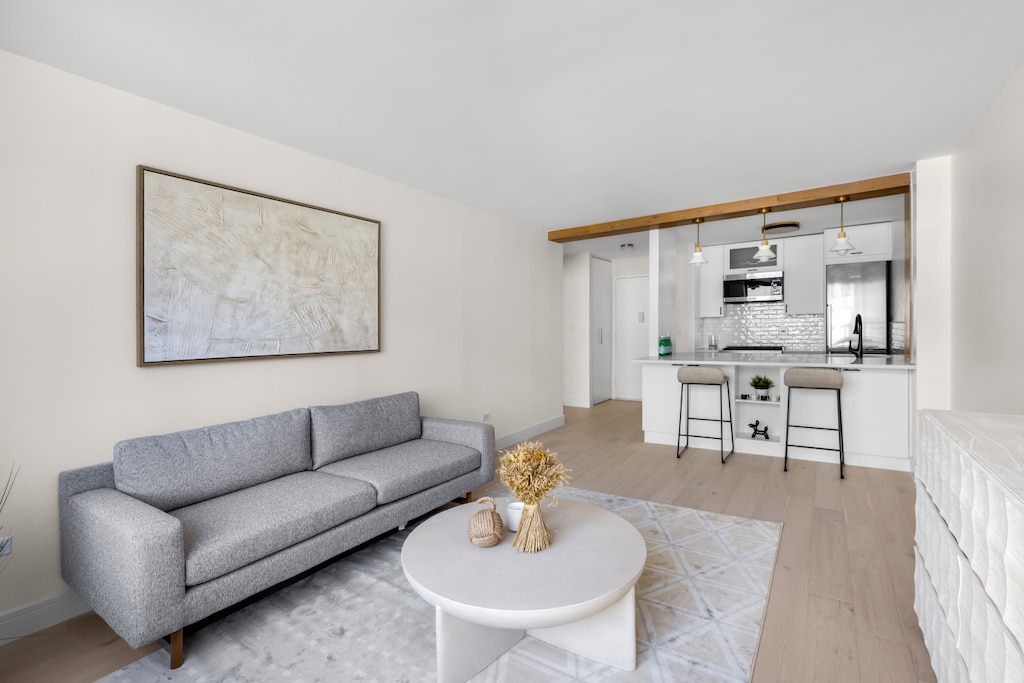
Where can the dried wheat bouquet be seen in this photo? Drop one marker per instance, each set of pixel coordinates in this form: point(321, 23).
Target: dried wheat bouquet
point(531, 472)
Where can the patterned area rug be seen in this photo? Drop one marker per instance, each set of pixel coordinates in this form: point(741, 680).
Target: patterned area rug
point(700, 605)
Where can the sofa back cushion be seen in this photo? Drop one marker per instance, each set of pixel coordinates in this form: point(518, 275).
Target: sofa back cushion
point(342, 431)
point(182, 468)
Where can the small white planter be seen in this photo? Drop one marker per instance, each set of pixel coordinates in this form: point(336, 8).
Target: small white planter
point(514, 513)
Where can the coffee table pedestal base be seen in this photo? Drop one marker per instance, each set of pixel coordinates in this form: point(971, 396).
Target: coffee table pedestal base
point(608, 637)
point(464, 648)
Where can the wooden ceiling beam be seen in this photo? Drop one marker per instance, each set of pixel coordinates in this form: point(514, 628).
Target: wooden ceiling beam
point(802, 199)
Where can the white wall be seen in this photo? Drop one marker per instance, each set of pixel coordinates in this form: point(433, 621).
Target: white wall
point(987, 243)
point(667, 281)
point(468, 316)
point(663, 264)
point(687, 280)
point(933, 296)
point(576, 330)
point(630, 267)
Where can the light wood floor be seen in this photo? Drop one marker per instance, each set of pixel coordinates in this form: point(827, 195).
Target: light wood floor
point(841, 607)
point(841, 603)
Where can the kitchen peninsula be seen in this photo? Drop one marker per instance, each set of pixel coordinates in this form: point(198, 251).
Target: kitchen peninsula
point(877, 398)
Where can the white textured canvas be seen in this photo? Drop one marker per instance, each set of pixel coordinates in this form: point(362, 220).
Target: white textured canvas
point(232, 274)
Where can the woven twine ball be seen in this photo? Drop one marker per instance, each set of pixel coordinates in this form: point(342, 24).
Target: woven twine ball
point(485, 527)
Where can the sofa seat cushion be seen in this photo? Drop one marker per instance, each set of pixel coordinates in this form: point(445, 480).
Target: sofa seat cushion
point(408, 468)
point(225, 533)
point(343, 431)
point(170, 471)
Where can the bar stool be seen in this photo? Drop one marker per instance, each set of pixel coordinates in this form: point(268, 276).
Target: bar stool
point(699, 374)
point(816, 379)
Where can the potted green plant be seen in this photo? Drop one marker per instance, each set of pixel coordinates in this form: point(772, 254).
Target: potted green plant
point(761, 386)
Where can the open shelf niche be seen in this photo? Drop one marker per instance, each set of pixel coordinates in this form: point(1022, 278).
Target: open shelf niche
point(752, 410)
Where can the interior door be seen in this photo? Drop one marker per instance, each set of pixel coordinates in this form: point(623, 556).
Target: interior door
point(600, 330)
point(631, 301)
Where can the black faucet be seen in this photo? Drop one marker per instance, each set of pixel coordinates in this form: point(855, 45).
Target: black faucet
point(858, 329)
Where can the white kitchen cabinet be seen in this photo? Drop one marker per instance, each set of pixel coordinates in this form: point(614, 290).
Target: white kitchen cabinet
point(710, 305)
point(660, 395)
point(739, 257)
point(876, 405)
point(872, 242)
point(804, 279)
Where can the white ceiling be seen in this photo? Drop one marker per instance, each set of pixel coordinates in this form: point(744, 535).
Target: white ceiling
point(558, 113)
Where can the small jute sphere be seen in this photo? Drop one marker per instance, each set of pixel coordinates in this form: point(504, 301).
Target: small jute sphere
point(485, 526)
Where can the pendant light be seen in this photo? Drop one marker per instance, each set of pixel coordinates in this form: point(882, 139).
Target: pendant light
point(698, 253)
point(842, 245)
point(764, 252)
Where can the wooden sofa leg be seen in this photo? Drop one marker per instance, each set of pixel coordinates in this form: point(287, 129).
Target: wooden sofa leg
point(469, 497)
point(177, 648)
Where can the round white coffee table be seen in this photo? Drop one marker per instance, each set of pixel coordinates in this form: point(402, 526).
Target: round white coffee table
point(577, 594)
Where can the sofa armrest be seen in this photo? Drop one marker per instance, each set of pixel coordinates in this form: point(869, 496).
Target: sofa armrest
point(70, 482)
point(126, 559)
point(477, 435)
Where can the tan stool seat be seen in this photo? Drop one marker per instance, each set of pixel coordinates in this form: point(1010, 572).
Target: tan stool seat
point(700, 374)
point(813, 378)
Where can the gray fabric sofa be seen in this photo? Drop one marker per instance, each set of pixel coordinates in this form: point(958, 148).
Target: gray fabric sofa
point(180, 526)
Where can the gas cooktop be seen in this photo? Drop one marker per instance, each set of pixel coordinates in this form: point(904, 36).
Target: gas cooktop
point(754, 348)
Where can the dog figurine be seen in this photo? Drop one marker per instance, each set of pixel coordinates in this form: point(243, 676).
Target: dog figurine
point(758, 432)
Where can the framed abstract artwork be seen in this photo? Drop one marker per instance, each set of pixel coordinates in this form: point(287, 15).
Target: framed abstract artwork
point(228, 274)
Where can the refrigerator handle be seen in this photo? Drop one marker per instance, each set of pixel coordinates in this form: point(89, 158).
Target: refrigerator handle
point(828, 327)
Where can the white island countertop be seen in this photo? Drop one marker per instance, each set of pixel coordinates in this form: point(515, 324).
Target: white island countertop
point(783, 359)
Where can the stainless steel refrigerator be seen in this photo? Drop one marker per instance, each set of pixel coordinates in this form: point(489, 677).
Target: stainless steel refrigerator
point(852, 288)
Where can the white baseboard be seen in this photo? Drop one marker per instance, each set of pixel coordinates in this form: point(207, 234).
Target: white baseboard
point(23, 621)
point(577, 402)
point(522, 435)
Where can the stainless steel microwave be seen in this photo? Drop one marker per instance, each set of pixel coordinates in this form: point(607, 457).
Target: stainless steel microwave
point(747, 287)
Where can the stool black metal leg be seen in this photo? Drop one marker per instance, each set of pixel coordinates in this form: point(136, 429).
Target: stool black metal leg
point(688, 375)
point(679, 429)
point(687, 416)
point(785, 456)
point(842, 455)
point(839, 430)
point(721, 427)
point(732, 434)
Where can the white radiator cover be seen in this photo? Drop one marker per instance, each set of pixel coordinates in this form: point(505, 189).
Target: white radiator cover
point(969, 572)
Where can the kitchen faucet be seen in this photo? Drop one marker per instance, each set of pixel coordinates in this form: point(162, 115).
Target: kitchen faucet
point(858, 329)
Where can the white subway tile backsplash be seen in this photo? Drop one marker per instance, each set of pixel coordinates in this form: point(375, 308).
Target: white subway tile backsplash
point(763, 324)
point(766, 324)
point(898, 336)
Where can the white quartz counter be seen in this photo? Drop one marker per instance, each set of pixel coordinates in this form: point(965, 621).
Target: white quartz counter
point(781, 359)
